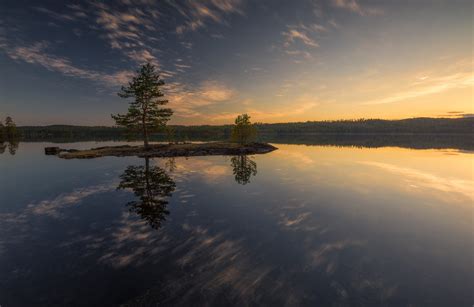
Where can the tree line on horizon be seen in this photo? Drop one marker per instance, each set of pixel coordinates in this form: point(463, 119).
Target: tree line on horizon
point(147, 118)
point(179, 132)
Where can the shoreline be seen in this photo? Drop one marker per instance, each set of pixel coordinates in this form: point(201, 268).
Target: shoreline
point(164, 150)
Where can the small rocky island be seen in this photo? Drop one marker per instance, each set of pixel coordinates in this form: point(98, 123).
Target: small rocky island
point(164, 150)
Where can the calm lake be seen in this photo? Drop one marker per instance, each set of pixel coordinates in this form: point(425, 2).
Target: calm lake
point(300, 226)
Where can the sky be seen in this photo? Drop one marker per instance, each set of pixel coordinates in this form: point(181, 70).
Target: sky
point(63, 62)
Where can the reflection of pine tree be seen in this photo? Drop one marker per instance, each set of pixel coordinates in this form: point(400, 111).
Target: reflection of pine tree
point(3, 146)
point(243, 168)
point(152, 186)
point(170, 165)
point(13, 147)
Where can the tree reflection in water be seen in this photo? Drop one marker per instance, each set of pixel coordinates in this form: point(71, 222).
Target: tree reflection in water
point(11, 145)
point(243, 168)
point(152, 186)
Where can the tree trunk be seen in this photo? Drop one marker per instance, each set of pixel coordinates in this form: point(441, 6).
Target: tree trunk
point(145, 135)
point(147, 171)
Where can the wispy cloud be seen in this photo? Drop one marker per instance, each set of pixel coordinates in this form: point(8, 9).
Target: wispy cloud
point(430, 86)
point(456, 114)
point(298, 33)
point(37, 54)
point(129, 29)
point(354, 6)
point(300, 53)
point(303, 34)
point(302, 104)
point(188, 101)
point(59, 16)
point(198, 13)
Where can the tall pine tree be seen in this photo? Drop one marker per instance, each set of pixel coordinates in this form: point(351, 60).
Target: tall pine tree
point(145, 112)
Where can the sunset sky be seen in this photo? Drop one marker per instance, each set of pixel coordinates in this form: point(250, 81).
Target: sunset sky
point(62, 62)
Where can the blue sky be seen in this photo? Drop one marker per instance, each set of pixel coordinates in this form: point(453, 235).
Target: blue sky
point(64, 61)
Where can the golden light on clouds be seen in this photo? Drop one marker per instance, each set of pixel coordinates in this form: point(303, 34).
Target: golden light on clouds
point(292, 61)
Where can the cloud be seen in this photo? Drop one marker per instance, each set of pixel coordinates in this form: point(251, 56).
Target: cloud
point(430, 86)
point(213, 91)
point(303, 104)
point(142, 56)
point(334, 24)
point(294, 33)
point(36, 54)
point(457, 114)
point(58, 16)
point(355, 7)
point(187, 102)
point(198, 13)
point(304, 34)
point(299, 53)
point(130, 30)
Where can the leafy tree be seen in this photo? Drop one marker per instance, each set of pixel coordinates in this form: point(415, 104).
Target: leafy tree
point(152, 186)
point(10, 129)
point(145, 113)
point(243, 131)
point(243, 168)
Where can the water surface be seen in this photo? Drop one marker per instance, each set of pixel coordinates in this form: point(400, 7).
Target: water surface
point(301, 226)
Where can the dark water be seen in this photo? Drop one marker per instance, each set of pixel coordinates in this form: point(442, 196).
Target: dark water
point(301, 226)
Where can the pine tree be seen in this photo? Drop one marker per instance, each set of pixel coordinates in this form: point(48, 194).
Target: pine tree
point(145, 113)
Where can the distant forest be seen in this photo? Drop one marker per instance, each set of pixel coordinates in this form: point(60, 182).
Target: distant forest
point(265, 131)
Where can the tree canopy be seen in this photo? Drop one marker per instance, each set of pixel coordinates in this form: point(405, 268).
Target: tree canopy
point(243, 131)
point(9, 131)
point(145, 112)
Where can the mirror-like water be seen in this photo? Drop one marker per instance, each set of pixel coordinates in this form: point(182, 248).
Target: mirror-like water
point(301, 226)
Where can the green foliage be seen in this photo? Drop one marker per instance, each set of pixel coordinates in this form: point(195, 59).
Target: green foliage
point(243, 131)
point(145, 113)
